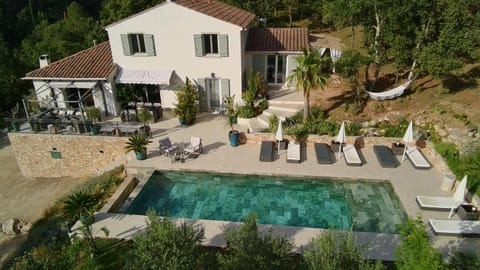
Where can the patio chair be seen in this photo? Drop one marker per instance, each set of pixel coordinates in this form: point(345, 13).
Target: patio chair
point(351, 155)
point(266, 151)
point(385, 156)
point(323, 153)
point(455, 227)
point(166, 147)
point(194, 149)
point(293, 152)
point(417, 159)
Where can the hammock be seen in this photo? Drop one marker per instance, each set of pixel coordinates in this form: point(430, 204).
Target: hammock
point(390, 94)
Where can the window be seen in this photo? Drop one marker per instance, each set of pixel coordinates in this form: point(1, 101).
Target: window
point(211, 44)
point(138, 44)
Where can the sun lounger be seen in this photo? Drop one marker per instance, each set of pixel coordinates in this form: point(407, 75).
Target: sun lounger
point(417, 159)
point(293, 152)
point(194, 149)
point(433, 202)
point(455, 227)
point(266, 151)
point(385, 156)
point(323, 153)
point(351, 155)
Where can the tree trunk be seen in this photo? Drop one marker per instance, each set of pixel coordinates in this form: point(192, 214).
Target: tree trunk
point(306, 107)
point(376, 45)
point(425, 30)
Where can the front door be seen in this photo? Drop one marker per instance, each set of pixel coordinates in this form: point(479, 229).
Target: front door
point(276, 69)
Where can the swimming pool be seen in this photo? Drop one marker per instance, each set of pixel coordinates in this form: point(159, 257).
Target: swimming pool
point(278, 200)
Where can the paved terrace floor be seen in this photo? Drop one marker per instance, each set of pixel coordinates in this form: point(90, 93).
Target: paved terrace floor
point(219, 156)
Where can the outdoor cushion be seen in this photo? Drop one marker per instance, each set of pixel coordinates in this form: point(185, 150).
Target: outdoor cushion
point(385, 156)
point(293, 152)
point(434, 202)
point(266, 151)
point(351, 155)
point(323, 153)
point(417, 159)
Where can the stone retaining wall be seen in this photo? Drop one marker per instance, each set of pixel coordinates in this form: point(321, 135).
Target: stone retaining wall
point(429, 151)
point(81, 156)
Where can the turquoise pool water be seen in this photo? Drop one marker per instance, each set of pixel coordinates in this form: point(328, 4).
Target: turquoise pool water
point(304, 202)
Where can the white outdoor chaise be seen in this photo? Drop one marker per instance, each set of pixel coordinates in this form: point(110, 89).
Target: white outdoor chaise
point(446, 203)
point(293, 152)
point(195, 148)
point(351, 155)
point(455, 227)
point(417, 159)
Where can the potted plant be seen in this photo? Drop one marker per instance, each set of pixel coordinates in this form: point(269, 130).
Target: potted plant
point(187, 103)
point(144, 116)
point(95, 115)
point(138, 144)
point(233, 134)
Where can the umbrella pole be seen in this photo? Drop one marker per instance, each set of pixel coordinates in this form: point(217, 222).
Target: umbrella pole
point(404, 152)
point(451, 212)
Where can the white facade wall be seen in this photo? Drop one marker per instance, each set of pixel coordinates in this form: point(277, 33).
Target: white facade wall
point(173, 28)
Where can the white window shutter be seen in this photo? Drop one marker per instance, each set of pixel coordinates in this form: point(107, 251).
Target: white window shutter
point(149, 44)
point(199, 51)
point(223, 44)
point(202, 90)
point(126, 44)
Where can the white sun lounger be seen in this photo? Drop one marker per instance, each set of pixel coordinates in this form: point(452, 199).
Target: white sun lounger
point(435, 202)
point(293, 152)
point(455, 227)
point(417, 159)
point(351, 155)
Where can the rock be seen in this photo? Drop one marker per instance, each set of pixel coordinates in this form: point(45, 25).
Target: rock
point(11, 226)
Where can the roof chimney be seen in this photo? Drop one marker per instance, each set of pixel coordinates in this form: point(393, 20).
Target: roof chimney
point(44, 60)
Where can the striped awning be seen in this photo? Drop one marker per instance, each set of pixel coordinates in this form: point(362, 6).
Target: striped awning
point(156, 77)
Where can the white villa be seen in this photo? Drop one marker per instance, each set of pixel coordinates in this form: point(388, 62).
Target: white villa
point(154, 51)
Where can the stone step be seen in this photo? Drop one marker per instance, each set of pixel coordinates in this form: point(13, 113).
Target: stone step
point(289, 107)
point(282, 114)
point(264, 120)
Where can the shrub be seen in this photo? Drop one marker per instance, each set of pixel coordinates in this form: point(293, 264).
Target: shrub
point(263, 105)
point(247, 248)
point(187, 102)
point(415, 250)
point(336, 250)
point(163, 245)
point(394, 130)
point(353, 128)
point(246, 112)
point(273, 123)
point(298, 131)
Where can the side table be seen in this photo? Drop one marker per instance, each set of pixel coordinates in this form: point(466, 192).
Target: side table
point(398, 148)
point(467, 212)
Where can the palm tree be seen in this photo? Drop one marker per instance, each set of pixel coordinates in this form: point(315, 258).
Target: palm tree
point(308, 75)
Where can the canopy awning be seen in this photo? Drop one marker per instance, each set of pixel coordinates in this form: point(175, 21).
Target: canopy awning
point(156, 77)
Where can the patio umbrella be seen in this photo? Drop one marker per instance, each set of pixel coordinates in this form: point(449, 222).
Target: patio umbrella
point(459, 195)
point(279, 134)
point(408, 137)
point(341, 137)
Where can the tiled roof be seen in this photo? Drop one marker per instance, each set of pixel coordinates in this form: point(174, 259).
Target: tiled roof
point(219, 10)
point(95, 62)
point(277, 39)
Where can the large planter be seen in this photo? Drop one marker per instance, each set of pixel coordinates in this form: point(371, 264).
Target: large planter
point(95, 130)
point(233, 136)
point(184, 121)
point(140, 155)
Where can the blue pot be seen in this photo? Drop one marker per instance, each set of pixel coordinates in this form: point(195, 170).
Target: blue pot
point(140, 155)
point(233, 137)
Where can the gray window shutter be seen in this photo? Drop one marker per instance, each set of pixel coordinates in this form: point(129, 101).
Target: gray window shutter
point(199, 51)
point(126, 44)
point(202, 90)
point(223, 42)
point(149, 44)
point(225, 86)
